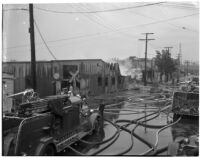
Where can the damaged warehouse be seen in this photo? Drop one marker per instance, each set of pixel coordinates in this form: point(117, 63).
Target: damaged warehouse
point(88, 77)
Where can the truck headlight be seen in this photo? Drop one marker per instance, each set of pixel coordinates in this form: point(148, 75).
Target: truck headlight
point(91, 110)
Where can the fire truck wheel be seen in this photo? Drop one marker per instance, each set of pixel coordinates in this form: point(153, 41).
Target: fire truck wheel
point(11, 149)
point(47, 150)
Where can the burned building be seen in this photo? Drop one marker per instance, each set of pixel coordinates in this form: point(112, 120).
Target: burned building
point(90, 76)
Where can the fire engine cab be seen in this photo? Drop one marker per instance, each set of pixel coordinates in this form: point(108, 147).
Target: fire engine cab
point(47, 126)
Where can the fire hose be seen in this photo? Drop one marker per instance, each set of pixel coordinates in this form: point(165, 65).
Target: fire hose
point(115, 136)
point(132, 134)
point(112, 139)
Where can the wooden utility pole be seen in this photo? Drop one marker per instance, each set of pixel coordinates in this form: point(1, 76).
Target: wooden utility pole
point(179, 62)
point(32, 39)
point(145, 66)
point(187, 63)
point(168, 49)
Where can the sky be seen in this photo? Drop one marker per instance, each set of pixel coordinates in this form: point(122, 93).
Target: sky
point(101, 30)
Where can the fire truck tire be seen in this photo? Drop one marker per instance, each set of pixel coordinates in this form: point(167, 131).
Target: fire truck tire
point(11, 149)
point(46, 150)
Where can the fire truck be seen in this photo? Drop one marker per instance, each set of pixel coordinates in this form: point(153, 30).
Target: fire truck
point(47, 126)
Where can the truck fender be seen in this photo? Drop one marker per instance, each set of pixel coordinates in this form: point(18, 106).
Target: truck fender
point(93, 118)
point(44, 142)
point(8, 140)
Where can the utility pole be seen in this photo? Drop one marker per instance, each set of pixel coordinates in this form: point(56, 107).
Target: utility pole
point(187, 63)
point(180, 53)
point(168, 49)
point(179, 62)
point(32, 39)
point(145, 66)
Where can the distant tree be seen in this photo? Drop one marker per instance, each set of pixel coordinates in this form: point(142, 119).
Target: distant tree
point(165, 63)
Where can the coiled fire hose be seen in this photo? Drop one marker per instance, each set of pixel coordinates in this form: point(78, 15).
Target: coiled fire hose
point(132, 134)
point(113, 138)
point(157, 133)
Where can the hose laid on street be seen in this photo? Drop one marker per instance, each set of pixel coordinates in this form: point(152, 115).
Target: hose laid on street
point(114, 113)
point(157, 133)
point(158, 151)
point(130, 147)
point(132, 134)
point(138, 123)
point(101, 142)
point(112, 139)
point(135, 135)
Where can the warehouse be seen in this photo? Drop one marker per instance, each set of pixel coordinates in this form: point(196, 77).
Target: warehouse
point(89, 77)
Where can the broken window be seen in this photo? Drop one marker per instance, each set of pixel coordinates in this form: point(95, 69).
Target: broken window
point(106, 81)
point(99, 81)
point(113, 80)
point(119, 80)
point(68, 70)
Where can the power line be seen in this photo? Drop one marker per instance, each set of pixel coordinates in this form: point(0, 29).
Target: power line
point(178, 6)
point(106, 32)
point(44, 41)
point(170, 19)
point(188, 29)
point(98, 11)
point(112, 28)
point(16, 9)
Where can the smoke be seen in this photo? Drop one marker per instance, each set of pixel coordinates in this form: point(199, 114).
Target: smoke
point(127, 68)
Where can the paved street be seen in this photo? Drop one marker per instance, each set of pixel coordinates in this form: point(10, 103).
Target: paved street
point(130, 109)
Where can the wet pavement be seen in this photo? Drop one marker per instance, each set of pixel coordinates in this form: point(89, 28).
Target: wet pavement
point(133, 108)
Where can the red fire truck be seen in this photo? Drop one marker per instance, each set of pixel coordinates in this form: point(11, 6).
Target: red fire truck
point(47, 126)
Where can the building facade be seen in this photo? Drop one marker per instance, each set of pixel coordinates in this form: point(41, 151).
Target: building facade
point(7, 89)
point(89, 77)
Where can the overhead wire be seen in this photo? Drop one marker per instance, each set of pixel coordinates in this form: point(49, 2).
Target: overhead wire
point(97, 11)
point(15, 9)
point(102, 23)
point(44, 41)
point(178, 5)
point(106, 32)
point(184, 28)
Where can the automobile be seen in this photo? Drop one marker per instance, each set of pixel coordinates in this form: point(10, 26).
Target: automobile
point(47, 126)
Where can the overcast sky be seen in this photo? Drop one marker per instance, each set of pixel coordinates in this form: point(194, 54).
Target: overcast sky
point(101, 30)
